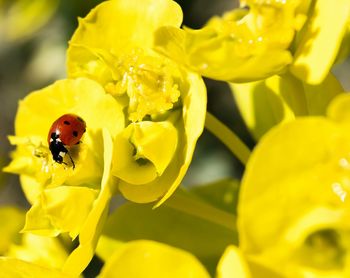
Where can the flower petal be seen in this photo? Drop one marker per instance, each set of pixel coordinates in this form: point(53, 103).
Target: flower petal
point(81, 96)
point(124, 25)
point(11, 267)
point(153, 259)
point(60, 207)
point(232, 264)
point(140, 145)
point(322, 38)
point(12, 220)
point(41, 250)
point(243, 45)
point(92, 227)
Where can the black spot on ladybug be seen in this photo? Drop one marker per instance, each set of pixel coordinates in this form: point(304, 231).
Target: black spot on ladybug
point(66, 123)
point(75, 133)
point(80, 119)
point(84, 130)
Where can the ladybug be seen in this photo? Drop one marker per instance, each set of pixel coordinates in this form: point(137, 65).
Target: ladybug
point(66, 131)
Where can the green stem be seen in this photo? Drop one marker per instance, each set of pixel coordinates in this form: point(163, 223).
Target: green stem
point(183, 201)
point(228, 137)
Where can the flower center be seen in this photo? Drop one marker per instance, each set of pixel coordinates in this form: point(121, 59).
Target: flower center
point(148, 81)
point(325, 249)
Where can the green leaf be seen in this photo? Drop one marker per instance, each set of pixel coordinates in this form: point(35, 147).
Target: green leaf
point(221, 194)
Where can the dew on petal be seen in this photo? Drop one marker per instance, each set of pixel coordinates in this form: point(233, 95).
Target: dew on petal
point(344, 163)
point(339, 191)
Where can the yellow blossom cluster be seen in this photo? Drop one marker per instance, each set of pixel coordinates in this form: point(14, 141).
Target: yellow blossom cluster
point(134, 75)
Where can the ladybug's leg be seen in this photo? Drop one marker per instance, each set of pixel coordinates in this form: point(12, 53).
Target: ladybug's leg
point(71, 159)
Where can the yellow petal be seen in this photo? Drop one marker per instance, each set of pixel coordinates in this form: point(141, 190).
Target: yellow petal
point(125, 165)
point(60, 207)
point(194, 102)
point(242, 46)
point(41, 250)
point(92, 227)
point(232, 264)
point(11, 268)
point(152, 259)
point(38, 222)
point(81, 96)
point(31, 187)
point(320, 43)
point(145, 143)
point(118, 26)
point(12, 220)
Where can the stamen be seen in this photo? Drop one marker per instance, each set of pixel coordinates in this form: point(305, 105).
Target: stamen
point(148, 81)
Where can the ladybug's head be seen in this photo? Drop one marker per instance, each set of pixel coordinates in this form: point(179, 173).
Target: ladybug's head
point(58, 151)
point(54, 136)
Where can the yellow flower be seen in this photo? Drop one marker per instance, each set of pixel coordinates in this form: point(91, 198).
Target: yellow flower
point(164, 104)
point(245, 44)
point(52, 188)
point(294, 208)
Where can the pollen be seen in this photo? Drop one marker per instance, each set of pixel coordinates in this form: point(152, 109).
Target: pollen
point(150, 83)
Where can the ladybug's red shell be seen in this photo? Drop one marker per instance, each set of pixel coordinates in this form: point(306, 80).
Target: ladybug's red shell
point(68, 128)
